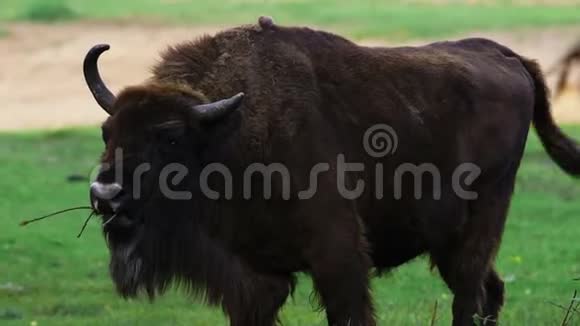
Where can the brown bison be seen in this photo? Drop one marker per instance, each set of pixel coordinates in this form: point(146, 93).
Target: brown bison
point(292, 99)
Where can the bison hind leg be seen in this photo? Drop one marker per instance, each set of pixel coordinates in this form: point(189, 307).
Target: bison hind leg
point(494, 288)
point(466, 263)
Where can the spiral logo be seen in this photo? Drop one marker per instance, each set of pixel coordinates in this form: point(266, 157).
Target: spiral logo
point(380, 140)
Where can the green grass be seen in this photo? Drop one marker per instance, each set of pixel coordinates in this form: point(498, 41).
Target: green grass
point(362, 18)
point(49, 276)
point(48, 11)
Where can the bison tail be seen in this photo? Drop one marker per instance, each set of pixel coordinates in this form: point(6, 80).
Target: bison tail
point(562, 149)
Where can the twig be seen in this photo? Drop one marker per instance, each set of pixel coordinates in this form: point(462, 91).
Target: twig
point(109, 220)
point(24, 223)
point(85, 224)
point(570, 308)
point(574, 309)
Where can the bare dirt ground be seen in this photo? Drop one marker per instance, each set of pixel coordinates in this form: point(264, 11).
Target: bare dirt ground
point(41, 82)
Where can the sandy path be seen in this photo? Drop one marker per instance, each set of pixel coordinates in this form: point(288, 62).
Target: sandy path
point(41, 83)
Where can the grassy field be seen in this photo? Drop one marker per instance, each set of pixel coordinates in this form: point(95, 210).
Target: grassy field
point(48, 277)
point(362, 18)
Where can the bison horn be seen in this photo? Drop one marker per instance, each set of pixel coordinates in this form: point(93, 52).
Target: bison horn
point(101, 93)
point(216, 110)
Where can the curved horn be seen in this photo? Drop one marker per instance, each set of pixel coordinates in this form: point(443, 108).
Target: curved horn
point(101, 93)
point(216, 110)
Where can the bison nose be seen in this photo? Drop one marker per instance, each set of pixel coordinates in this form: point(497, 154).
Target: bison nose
point(104, 196)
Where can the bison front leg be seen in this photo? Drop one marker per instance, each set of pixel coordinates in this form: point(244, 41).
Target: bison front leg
point(255, 300)
point(340, 269)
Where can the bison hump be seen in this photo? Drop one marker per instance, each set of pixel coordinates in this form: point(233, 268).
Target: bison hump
point(266, 22)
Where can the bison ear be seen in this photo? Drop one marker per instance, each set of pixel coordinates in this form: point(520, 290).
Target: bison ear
point(215, 111)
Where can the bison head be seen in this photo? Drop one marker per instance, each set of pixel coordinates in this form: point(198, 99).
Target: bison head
point(149, 231)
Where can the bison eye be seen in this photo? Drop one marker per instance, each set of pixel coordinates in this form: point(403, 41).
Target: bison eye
point(169, 137)
point(169, 134)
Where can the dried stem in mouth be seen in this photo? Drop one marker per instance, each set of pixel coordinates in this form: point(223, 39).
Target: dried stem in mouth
point(26, 222)
point(85, 224)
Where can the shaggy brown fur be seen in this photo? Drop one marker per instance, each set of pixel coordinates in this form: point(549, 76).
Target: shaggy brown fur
point(311, 96)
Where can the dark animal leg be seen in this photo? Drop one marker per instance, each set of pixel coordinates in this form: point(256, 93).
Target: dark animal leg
point(464, 279)
point(257, 301)
point(341, 278)
point(467, 264)
point(494, 288)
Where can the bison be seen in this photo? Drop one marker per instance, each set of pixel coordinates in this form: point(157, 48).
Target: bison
point(289, 99)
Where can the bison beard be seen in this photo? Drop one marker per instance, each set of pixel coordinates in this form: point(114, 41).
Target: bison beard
point(304, 97)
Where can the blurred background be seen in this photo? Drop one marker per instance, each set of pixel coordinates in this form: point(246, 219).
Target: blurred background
point(50, 141)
